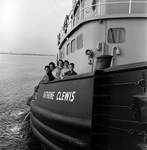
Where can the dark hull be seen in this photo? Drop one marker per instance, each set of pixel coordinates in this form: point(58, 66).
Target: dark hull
point(104, 111)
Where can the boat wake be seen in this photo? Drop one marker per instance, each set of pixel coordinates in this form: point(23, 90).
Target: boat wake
point(15, 132)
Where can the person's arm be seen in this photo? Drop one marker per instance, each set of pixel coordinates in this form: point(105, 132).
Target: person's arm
point(62, 74)
point(75, 73)
point(45, 78)
point(54, 73)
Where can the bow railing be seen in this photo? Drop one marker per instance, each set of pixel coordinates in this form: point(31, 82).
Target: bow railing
point(100, 8)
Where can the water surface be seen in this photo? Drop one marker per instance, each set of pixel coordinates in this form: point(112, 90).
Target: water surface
point(19, 74)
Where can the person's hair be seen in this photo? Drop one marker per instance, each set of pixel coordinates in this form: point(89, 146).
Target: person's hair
point(72, 64)
point(46, 67)
point(51, 63)
point(59, 60)
point(66, 61)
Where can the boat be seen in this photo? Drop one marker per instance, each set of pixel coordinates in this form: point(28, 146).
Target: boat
point(104, 106)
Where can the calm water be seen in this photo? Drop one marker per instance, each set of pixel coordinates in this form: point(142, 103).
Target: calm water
point(18, 76)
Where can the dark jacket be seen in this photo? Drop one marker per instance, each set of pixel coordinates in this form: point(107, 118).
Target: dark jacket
point(50, 75)
point(69, 73)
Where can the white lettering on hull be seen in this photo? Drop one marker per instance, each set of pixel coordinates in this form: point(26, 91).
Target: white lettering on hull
point(48, 95)
point(60, 96)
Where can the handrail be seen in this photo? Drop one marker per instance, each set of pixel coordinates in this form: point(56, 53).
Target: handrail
point(130, 4)
point(72, 22)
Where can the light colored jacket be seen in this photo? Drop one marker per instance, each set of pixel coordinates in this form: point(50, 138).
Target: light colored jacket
point(56, 72)
point(63, 71)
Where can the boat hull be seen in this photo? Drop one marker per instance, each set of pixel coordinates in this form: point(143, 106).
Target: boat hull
point(105, 110)
point(61, 114)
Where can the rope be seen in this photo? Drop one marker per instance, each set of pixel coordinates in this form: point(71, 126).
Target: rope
point(140, 82)
point(130, 131)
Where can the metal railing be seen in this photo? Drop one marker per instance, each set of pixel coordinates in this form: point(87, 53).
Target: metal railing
point(98, 9)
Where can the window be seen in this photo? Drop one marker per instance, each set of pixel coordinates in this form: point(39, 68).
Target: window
point(68, 50)
point(62, 53)
point(116, 35)
point(73, 46)
point(80, 41)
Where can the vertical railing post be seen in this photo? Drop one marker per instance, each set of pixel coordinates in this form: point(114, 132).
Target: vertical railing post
point(80, 15)
point(130, 5)
point(99, 8)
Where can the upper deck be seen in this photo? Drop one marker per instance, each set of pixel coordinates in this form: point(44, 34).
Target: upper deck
point(98, 8)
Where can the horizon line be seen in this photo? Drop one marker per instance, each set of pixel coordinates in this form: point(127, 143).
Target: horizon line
point(13, 53)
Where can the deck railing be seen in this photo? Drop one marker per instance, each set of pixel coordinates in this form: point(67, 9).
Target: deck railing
point(102, 7)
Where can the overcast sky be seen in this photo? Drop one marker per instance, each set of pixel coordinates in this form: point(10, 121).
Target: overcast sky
point(31, 26)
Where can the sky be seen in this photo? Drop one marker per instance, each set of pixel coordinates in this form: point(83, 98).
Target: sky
point(31, 26)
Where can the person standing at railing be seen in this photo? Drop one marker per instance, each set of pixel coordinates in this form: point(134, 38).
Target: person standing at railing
point(65, 26)
point(46, 77)
point(73, 3)
point(65, 69)
point(57, 71)
point(51, 67)
point(71, 70)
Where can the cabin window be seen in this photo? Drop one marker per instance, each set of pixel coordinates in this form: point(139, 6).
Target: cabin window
point(68, 50)
point(62, 53)
point(78, 14)
point(82, 9)
point(80, 41)
point(73, 46)
point(116, 35)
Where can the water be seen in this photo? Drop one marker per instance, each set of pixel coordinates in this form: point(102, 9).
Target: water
point(19, 74)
